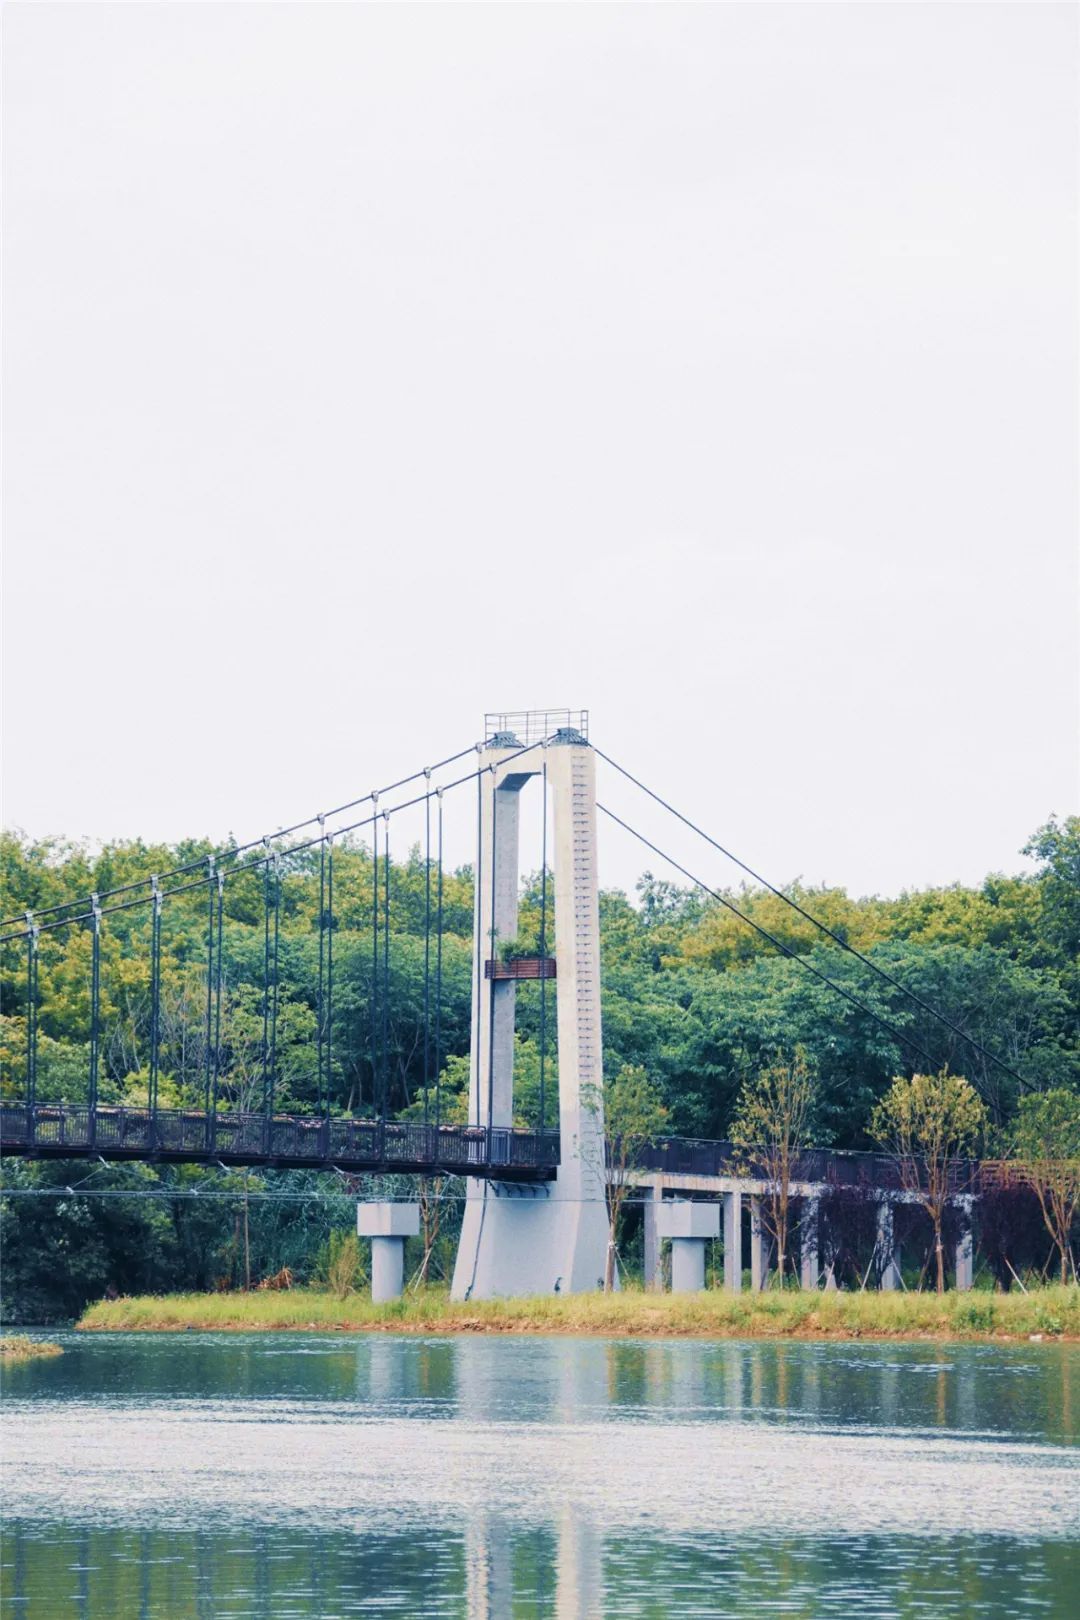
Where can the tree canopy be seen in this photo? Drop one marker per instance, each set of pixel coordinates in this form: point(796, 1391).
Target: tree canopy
point(691, 995)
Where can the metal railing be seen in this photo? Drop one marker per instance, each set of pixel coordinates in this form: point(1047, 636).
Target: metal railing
point(521, 967)
point(58, 1130)
point(531, 726)
point(69, 1130)
point(832, 1167)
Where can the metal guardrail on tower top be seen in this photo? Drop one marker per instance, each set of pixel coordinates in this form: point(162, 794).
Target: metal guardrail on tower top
point(531, 726)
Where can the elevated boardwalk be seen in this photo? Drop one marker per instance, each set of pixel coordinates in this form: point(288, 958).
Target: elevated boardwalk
point(677, 1165)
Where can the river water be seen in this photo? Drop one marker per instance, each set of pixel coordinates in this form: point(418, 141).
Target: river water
point(280, 1476)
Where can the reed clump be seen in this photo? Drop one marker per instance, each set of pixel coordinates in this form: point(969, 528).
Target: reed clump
point(1049, 1313)
point(19, 1347)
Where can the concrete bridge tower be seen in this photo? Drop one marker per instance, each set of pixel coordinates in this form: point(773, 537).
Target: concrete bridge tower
point(537, 1239)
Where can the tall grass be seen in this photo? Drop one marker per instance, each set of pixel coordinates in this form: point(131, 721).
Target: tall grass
point(18, 1347)
point(1053, 1312)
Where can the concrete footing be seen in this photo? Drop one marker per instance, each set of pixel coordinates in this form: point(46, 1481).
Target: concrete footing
point(387, 1225)
point(689, 1226)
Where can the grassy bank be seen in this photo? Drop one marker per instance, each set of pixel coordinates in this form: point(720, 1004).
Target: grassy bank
point(1052, 1312)
point(17, 1347)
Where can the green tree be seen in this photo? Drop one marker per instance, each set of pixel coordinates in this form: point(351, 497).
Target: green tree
point(634, 1116)
point(771, 1127)
point(1056, 846)
point(930, 1124)
point(1046, 1146)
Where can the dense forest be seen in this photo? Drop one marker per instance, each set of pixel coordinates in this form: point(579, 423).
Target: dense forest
point(690, 993)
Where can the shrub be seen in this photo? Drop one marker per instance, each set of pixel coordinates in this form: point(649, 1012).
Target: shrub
point(976, 1314)
point(340, 1265)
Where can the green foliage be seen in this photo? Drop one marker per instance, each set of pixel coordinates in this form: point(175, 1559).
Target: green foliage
point(1057, 847)
point(1046, 1144)
point(523, 945)
point(634, 1113)
point(773, 1121)
point(774, 1115)
point(930, 1122)
point(691, 997)
point(634, 1116)
point(937, 1117)
point(975, 1312)
point(1047, 1127)
point(65, 1248)
point(339, 1264)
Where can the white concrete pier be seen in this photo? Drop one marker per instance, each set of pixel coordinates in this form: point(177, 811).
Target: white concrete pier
point(964, 1258)
point(758, 1246)
point(809, 1241)
point(732, 1241)
point(689, 1226)
point(387, 1225)
point(888, 1251)
point(651, 1241)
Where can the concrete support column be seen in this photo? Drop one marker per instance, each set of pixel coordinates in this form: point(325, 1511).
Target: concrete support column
point(387, 1225)
point(689, 1226)
point(652, 1239)
point(687, 1265)
point(495, 918)
point(556, 1241)
point(733, 1242)
point(887, 1247)
point(965, 1257)
point(808, 1243)
point(757, 1246)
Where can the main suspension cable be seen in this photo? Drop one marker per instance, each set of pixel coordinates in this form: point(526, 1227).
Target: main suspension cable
point(233, 850)
point(294, 849)
point(935, 1012)
point(764, 932)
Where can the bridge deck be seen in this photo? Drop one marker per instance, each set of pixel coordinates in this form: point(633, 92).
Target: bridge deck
point(71, 1131)
point(65, 1131)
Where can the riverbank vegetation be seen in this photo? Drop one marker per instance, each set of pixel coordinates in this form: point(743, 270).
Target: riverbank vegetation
point(1052, 1313)
point(692, 998)
point(20, 1347)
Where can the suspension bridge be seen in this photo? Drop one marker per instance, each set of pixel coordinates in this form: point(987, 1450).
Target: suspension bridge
point(535, 1209)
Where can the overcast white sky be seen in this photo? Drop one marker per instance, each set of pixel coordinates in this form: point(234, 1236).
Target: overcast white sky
point(710, 367)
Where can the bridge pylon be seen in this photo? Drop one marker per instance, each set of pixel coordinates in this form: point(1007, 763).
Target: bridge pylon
point(550, 1237)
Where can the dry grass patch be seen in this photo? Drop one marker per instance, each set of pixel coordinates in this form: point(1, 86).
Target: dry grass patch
point(18, 1347)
